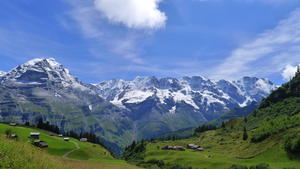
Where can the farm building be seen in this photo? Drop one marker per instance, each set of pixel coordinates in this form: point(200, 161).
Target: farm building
point(66, 139)
point(177, 148)
point(34, 135)
point(192, 146)
point(83, 139)
point(199, 149)
point(195, 147)
point(60, 135)
point(13, 124)
point(41, 144)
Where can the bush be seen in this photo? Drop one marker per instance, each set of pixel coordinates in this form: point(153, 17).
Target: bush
point(8, 132)
point(292, 144)
point(259, 166)
point(235, 166)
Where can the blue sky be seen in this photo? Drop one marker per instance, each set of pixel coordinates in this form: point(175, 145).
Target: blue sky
point(105, 39)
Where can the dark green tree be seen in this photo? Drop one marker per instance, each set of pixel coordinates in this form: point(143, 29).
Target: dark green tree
point(245, 134)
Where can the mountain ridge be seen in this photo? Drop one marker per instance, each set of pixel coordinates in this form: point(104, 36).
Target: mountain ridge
point(119, 111)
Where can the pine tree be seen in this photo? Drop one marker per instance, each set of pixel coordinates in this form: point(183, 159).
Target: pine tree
point(223, 124)
point(245, 134)
point(245, 119)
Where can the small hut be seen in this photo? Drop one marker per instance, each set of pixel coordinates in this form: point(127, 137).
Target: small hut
point(83, 139)
point(13, 124)
point(177, 148)
point(199, 149)
point(34, 135)
point(41, 144)
point(192, 146)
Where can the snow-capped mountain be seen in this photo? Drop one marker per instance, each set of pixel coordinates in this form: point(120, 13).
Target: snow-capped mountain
point(39, 71)
point(119, 111)
point(44, 89)
point(201, 94)
point(169, 104)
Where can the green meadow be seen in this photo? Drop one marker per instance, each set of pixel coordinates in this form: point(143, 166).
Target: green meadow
point(88, 154)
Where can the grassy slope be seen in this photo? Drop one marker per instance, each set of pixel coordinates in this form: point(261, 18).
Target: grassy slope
point(224, 149)
point(58, 147)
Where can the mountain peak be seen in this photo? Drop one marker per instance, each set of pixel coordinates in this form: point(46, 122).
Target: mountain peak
point(46, 62)
point(40, 71)
point(2, 73)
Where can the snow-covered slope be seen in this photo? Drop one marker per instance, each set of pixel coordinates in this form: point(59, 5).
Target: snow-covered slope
point(202, 95)
point(2, 73)
point(39, 71)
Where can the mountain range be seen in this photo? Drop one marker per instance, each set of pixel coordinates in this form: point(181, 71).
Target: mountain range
point(120, 111)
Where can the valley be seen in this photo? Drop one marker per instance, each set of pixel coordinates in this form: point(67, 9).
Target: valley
point(119, 111)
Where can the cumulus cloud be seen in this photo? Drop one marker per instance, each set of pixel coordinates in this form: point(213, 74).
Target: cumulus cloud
point(289, 72)
point(141, 14)
point(266, 54)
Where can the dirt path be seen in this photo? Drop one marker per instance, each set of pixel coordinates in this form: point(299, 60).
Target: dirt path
point(68, 153)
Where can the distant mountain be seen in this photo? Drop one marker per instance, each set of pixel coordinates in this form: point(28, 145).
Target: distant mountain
point(168, 104)
point(120, 111)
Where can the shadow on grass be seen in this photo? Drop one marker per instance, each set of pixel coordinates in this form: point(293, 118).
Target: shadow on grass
point(294, 156)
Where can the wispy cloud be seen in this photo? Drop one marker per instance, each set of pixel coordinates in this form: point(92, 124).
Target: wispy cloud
point(96, 20)
point(268, 53)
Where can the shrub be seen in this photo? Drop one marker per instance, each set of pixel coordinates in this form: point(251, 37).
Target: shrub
point(7, 132)
point(235, 166)
point(292, 144)
point(260, 166)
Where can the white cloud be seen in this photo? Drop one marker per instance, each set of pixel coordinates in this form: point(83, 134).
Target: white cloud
point(122, 44)
point(268, 53)
point(289, 72)
point(133, 13)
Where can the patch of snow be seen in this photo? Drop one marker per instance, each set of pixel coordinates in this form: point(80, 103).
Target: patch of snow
point(208, 96)
point(57, 95)
point(118, 103)
point(52, 62)
point(180, 97)
point(91, 107)
point(246, 102)
point(137, 96)
point(33, 62)
point(172, 110)
point(162, 95)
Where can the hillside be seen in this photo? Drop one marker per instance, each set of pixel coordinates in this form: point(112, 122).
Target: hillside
point(222, 149)
point(59, 154)
point(267, 138)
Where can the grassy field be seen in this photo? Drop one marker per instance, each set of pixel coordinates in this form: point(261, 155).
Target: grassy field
point(87, 156)
point(222, 150)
